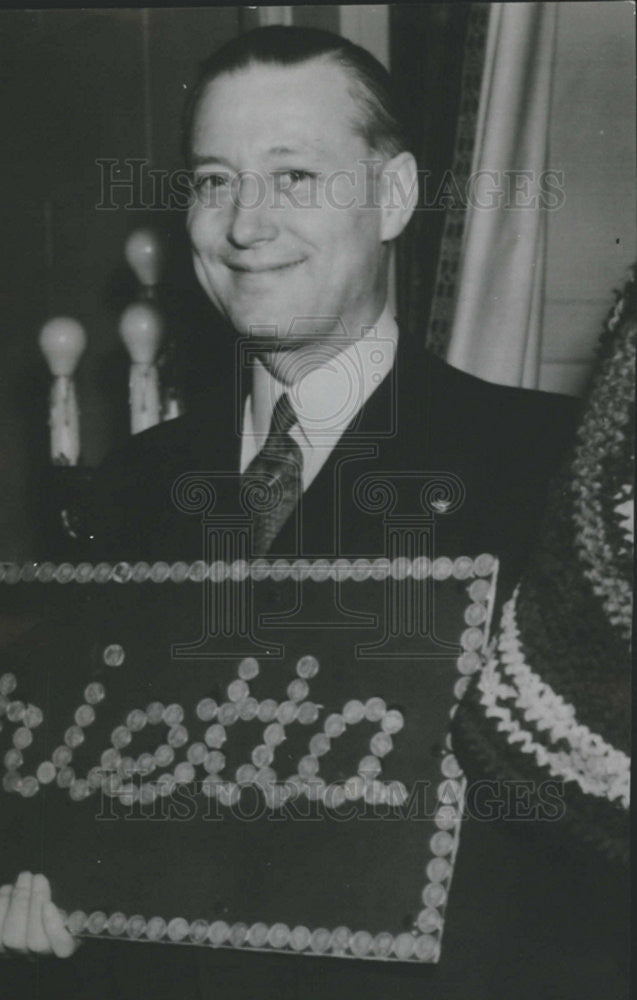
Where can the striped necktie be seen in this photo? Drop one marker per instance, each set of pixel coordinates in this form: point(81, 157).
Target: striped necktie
point(273, 479)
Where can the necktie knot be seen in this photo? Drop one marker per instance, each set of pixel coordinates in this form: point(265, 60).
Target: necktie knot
point(283, 415)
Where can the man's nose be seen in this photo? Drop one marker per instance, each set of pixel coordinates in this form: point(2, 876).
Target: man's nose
point(252, 220)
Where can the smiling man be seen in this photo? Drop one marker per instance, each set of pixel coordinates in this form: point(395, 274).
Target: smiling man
point(302, 178)
point(296, 204)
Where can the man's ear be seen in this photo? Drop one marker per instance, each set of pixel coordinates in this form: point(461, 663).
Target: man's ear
point(399, 194)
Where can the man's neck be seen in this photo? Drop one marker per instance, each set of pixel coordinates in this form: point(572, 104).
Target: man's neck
point(325, 398)
point(299, 357)
point(331, 382)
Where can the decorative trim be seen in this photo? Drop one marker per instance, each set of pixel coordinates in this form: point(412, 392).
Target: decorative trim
point(604, 452)
point(317, 570)
point(278, 937)
point(598, 768)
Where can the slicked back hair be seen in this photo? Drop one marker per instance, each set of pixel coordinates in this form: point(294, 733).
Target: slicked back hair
point(378, 120)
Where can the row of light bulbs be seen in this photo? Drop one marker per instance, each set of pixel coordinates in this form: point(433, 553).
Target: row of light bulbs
point(63, 340)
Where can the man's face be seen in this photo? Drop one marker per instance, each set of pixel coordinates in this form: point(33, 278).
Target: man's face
point(284, 225)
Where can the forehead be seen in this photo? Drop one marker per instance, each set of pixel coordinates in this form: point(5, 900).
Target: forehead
point(265, 107)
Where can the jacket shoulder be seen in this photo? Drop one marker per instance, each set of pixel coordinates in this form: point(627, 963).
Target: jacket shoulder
point(508, 414)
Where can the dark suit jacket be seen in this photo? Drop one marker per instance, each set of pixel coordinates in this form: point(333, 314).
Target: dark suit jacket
point(426, 420)
point(525, 919)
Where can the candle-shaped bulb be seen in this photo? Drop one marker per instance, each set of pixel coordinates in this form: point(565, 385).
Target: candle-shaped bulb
point(145, 256)
point(62, 341)
point(141, 329)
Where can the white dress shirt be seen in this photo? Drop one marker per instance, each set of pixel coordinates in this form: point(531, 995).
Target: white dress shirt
point(325, 398)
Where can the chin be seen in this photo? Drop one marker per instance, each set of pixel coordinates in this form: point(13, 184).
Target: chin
point(261, 325)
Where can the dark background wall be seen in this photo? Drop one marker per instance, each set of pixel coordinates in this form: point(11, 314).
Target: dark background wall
point(78, 86)
point(84, 85)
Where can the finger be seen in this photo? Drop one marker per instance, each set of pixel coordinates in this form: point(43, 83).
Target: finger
point(61, 941)
point(37, 940)
point(5, 898)
point(14, 931)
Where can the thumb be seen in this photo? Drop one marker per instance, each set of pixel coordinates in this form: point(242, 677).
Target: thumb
point(62, 943)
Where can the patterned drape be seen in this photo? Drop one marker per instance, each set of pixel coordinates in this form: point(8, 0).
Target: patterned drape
point(446, 283)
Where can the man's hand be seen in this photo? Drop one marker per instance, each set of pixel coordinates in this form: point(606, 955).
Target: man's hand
point(30, 923)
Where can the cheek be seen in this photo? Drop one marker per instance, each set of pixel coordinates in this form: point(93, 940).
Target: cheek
point(353, 241)
point(192, 221)
point(211, 279)
point(203, 227)
point(204, 278)
point(352, 205)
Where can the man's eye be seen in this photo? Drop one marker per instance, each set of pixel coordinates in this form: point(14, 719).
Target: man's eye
point(209, 182)
point(292, 177)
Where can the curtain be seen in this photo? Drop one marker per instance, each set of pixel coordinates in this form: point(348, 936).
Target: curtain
point(497, 327)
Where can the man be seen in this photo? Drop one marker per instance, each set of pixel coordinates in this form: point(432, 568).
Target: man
point(302, 178)
point(301, 181)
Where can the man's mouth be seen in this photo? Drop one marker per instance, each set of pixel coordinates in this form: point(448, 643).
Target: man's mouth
point(263, 268)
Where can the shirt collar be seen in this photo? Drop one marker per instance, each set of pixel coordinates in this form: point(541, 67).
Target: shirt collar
point(328, 397)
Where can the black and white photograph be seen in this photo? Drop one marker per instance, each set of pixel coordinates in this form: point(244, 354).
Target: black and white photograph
point(317, 402)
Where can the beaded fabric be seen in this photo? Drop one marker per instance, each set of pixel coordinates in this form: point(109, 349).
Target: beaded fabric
point(553, 700)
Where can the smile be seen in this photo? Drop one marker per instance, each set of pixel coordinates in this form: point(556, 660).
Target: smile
point(264, 268)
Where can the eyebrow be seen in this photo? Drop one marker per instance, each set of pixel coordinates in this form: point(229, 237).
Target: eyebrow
point(285, 150)
point(204, 159)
